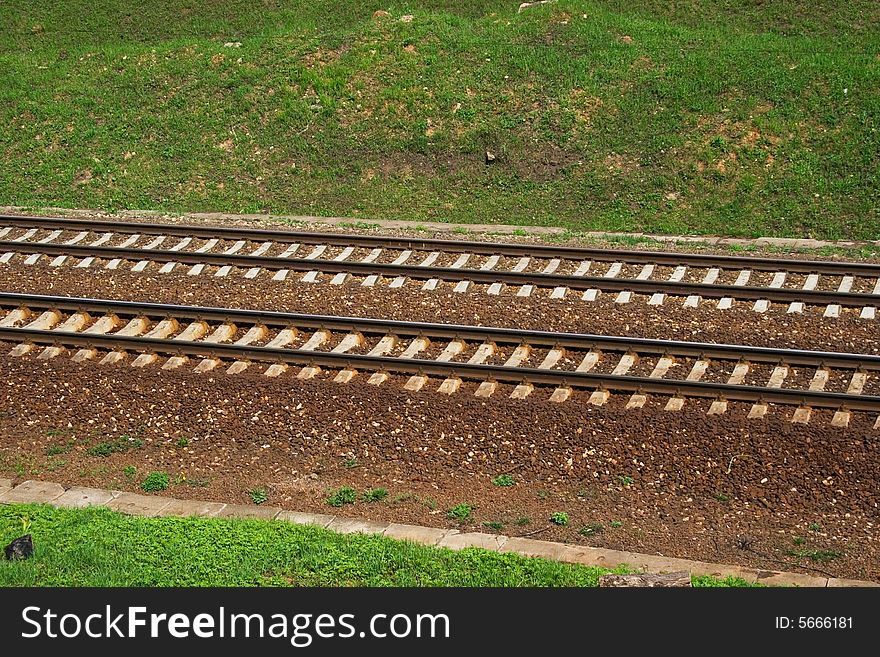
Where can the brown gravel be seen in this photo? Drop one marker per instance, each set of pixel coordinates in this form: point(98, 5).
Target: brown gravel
point(700, 485)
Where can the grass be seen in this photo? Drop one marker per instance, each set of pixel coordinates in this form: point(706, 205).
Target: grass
point(740, 117)
point(460, 512)
point(98, 547)
point(820, 556)
point(341, 496)
point(155, 482)
point(559, 518)
point(118, 446)
point(374, 495)
point(592, 529)
point(258, 495)
point(503, 480)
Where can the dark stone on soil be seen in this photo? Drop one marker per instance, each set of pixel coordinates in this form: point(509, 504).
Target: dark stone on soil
point(20, 548)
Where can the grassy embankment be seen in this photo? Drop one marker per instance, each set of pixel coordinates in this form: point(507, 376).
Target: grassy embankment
point(738, 118)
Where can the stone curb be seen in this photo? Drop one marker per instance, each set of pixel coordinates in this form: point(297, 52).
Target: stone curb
point(441, 227)
point(149, 505)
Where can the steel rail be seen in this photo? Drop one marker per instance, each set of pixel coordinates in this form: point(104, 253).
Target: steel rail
point(638, 384)
point(417, 272)
point(581, 341)
point(452, 246)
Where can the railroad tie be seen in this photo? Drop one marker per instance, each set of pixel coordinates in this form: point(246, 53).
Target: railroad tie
point(856, 385)
point(134, 327)
point(520, 354)
point(279, 275)
point(385, 345)
point(33, 258)
point(430, 259)
point(44, 322)
point(160, 331)
point(106, 237)
point(525, 291)
point(289, 251)
point(311, 276)
point(802, 414)
point(599, 397)
point(809, 284)
point(416, 346)
point(727, 302)
point(262, 249)
point(253, 334)
point(319, 338)
point(5, 231)
point(660, 369)
point(14, 317)
point(552, 266)
point(696, 374)
point(76, 239)
point(51, 237)
point(711, 276)
point(317, 251)
point(223, 333)
point(494, 289)
point(658, 298)
point(191, 333)
point(833, 309)
point(402, 258)
point(483, 352)
point(719, 406)
point(26, 235)
point(417, 381)
point(284, 338)
point(347, 343)
point(625, 296)
point(372, 255)
point(763, 305)
point(553, 356)
point(870, 312)
point(74, 324)
point(131, 241)
point(370, 280)
point(776, 379)
point(461, 286)
point(103, 325)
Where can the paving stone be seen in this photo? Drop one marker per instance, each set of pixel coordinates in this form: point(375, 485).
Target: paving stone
point(33, 492)
point(533, 548)
point(424, 535)
point(5, 483)
point(839, 582)
point(773, 578)
point(492, 542)
point(138, 505)
point(79, 497)
point(248, 511)
point(3, 491)
point(354, 526)
point(318, 519)
point(185, 508)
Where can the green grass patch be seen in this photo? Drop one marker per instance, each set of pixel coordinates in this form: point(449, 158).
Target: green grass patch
point(155, 482)
point(341, 496)
point(740, 117)
point(118, 446)
point(99, 547)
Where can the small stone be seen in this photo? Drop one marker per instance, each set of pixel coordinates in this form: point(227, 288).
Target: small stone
point(20, 548)
point(407, 19)
point(490, 157)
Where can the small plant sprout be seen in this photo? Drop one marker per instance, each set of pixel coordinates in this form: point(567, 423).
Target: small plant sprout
point(460, 512)
point(374, 495)
point(155, 481)
point(592, 529)
point(616, 524)
point(342, 495)
point(503, 480)
point(182, 442)
point(624, 480)
point(559, 518)
point(258, 495)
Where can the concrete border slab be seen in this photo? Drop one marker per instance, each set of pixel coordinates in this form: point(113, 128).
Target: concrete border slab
point(248, 511)
point(357, 526)
point(418, 534)
point(317, 519)
point(80, 497)
point(33, 492)
point(5, 483)
point(492, 542)
point(188, 508)
point(138, 505)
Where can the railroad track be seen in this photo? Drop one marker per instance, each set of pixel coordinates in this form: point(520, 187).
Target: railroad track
point(370, 260)
point(455, 358)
